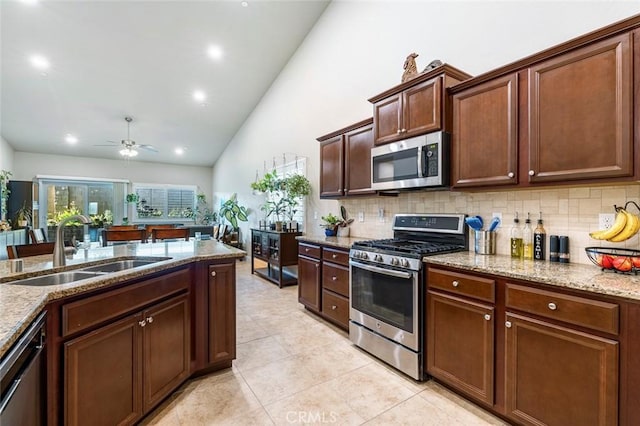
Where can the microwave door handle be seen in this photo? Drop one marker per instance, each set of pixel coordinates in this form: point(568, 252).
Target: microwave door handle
point(420, 172)
point(391, 272)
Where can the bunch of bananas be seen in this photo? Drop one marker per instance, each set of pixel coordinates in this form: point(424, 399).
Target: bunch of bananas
point(625, 226)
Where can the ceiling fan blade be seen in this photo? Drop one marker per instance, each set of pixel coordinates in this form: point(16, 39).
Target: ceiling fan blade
point(147, 147)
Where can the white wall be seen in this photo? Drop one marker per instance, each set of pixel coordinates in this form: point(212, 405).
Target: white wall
point(28, 165)
point(356, 50)
point(6, 155)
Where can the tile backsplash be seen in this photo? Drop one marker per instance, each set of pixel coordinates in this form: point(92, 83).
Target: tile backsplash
point(566, 211)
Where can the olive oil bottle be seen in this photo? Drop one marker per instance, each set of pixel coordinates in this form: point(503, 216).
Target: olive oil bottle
point(539, 241)
point(527, 239)
point(516, 239)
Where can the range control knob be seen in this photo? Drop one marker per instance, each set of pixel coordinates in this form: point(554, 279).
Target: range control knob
point(364, 256)
point(378, 258)
point(404, 263)
point(394, 261)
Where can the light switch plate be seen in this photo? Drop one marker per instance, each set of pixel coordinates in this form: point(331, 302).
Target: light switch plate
point(360, 216)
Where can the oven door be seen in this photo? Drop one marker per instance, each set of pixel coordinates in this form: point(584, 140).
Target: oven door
point(386, 301)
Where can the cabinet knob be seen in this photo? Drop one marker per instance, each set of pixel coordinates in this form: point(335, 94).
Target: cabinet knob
point(378, 325)
point(149, 320)
point(487, 317)
point(507, 324)
point(317, 265)
point(455, 283)
point(142, 323)
point(510, 175)
point(306, 250)
point(399, 131)
point(334, 278)
point(213, 273)
point(531, 173)
point(333, 256)
point(552, 306)
point(404, 130)
point(334, 307)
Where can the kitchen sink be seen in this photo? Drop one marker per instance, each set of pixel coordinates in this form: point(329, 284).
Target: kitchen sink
point(122, 265)
point(58, 278)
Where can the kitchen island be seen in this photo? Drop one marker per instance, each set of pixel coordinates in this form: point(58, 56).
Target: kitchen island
point(118, 343)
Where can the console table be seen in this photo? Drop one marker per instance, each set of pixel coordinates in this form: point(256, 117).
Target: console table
point(278, 250)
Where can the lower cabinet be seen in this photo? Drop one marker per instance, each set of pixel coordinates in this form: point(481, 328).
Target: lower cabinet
point(117, 372)
point(460, 344)
point(559, 376)
point(309, 282)
point(222, 313)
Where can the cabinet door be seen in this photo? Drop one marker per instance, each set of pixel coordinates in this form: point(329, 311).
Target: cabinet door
point(103, 375)
point(580, 113)
point(309, 283)
point(222, 312)
point(166, 346)
point(557, 376)
point(421, 108)
point(485, 134)
point(460, 344)
point(387, 119)
point(332, 167)
point(357, 172)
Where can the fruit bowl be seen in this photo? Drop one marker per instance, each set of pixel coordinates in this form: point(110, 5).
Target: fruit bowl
point(615, 259)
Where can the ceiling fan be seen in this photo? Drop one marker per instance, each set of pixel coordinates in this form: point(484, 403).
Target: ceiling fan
point(128, 147)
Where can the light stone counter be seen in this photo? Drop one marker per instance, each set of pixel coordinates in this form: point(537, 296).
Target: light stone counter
point(569, 275)
point(20, 304)
point(339, 242)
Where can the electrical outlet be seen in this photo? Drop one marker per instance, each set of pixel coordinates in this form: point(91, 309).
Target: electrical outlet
point(605, 220)
point(315, 215)
point(360, 216)
point(380, 214)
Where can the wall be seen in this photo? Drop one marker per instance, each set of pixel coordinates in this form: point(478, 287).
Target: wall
point(6, 155)
point(356, 50)
point(28, 165)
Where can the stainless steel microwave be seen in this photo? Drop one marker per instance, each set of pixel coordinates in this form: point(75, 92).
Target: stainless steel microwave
point(419, 162)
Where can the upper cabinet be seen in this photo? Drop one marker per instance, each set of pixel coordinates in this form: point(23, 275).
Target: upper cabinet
point(345, 161)
point(415, 107)
point(564, 115)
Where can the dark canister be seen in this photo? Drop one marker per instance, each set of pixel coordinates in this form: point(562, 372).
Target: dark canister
point(554, 248)
point(564, 249)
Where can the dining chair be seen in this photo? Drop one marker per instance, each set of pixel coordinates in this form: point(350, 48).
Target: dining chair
point(166, 233)
point(124, 235)
point(37, 236)
point(150, 228)
point(26, 250)
point(122, 227)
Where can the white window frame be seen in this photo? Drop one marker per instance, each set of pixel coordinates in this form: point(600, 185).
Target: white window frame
point(133, 212)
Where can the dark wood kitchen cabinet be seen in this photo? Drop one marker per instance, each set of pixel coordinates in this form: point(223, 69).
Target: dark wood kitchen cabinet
point(562, 115)
point(415, 107)
point(460, 332)
point(116, 373)
point(309, 276)
point(222, 313)
point(345, 161)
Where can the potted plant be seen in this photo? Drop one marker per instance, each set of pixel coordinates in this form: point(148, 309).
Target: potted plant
point(295, 187)
point(23, 215)
point(330, 225)
point(283, 196)
point(343, 226)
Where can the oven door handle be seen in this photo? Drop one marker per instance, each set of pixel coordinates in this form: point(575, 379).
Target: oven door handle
point(391, 272)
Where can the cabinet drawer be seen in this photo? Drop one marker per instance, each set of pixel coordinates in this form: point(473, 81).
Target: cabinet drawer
point(335, 278)
point(309, 250)
point(462, 284)
point(336, 256)
point(580, 311)
point(93, 310)
point(335, 307)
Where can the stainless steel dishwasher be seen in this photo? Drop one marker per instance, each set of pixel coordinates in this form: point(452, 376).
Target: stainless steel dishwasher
point(22, 383)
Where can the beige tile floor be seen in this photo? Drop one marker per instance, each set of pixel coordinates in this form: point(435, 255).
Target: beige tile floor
point(293, 368)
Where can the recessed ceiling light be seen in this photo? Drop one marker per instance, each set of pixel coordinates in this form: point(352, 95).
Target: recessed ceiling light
point(179, 150)
point(215, 52)
point(39, 62)
point(199, 95)
point(30, 2)
point(244, 3)
point(70, 139)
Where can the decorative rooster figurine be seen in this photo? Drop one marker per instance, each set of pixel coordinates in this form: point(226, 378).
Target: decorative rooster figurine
point(410, 68)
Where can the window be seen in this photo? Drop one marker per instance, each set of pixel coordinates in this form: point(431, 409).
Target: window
point(164, 202)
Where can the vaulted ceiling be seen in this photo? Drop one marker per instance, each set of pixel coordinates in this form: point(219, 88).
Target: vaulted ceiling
point(143, 59)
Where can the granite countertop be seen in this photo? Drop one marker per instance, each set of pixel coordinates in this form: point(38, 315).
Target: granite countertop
point(340, 242)
point(20, 304)
point(575, 276)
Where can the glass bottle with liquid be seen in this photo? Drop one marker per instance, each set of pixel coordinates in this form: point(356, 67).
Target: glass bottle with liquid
point(539, 241)
point(527, 239)
point(516, 239)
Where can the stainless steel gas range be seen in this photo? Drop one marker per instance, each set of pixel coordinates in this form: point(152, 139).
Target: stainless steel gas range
point(387, 287)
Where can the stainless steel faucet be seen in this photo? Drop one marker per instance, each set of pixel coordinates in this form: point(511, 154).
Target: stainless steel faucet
point(58, 248)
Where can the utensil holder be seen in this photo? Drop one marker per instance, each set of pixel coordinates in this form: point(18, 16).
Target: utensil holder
point(485, 242)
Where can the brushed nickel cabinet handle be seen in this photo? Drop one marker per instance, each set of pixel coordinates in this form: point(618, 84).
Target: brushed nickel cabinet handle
point(552, 306)
point(487, 317)
point(455, 283)
point(149, 320)
point(531, 173)
point(508, 324)
point(510, 175)
point(334, 278)
point(333, 256)
point(404, 130)
point(334, 307)
point(142, 323)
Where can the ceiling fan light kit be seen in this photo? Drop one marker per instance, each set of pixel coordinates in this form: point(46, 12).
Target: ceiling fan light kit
point(128, 147)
